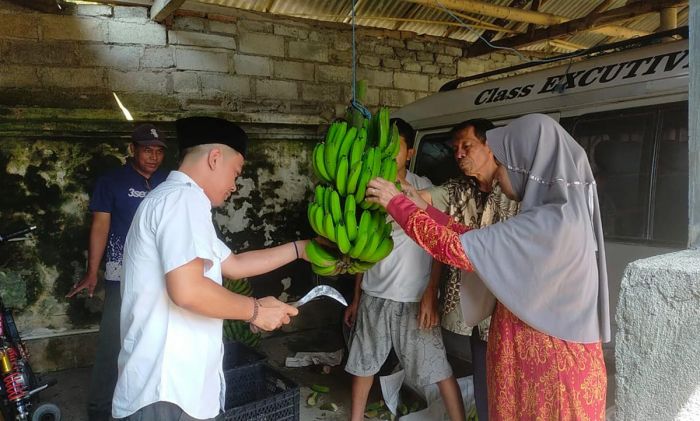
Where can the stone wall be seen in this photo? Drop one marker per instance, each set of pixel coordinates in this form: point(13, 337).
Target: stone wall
point(247, 63)
point(657, 351)
point(282, 79)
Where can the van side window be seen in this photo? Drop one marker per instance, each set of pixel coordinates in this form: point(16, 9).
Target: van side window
point(639, 159)
point(435, 158)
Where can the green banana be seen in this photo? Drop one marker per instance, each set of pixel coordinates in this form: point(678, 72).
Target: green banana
point(350, 205)
point(319, 163)
point(324, 271)
point(350, 217)
point(347, 142)
point(365, 175)
point(362, 187)
point(360, 243)
point(327, 200)
point(318, 221)
point(330, 134)
point(354, 177)
point(376, 163)
point(394, 139)
point(318, 194)
point(371, 246)
point(330, 155)
point(336, 212)
point(382, 250)
point(319, 255)
point(310, 216)
point(340, 133)
point(383, 128)
point(328, 227)
point(365, 221)
point(358, 148)
point(341, 176)
point(385, 168)
point(351, 225)
point(342, 238)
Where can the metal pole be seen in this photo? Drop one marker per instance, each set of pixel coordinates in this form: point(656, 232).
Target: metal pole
point(694, 128)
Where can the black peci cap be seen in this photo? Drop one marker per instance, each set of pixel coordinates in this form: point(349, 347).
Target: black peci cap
point(193, 131)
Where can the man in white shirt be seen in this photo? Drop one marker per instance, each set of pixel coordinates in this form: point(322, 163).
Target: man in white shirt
point(173, 303)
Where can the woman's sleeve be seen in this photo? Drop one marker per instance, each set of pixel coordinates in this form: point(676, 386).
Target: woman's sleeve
point(445, 220)
point(439, 240)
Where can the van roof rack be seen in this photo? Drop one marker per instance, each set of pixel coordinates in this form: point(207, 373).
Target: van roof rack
point(616, 46)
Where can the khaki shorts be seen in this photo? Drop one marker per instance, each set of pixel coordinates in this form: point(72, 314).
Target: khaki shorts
point(381, 324)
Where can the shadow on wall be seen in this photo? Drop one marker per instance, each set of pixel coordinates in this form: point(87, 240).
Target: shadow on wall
point(47, 182)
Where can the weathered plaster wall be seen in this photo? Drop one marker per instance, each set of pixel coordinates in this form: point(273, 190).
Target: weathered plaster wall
point(283, 79)
point(657, 351)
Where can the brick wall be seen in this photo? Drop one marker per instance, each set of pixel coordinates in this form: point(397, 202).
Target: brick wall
point(241, 64)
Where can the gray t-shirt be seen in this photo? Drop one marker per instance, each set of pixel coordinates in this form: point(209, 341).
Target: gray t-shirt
point(403, 275)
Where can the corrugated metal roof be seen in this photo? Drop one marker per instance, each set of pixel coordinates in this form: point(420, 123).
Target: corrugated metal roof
point(435, 20)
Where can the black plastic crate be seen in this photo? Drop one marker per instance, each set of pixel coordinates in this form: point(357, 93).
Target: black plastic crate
point(237, 354)
point(259, 393)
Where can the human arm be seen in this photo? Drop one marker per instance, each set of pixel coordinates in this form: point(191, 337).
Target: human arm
point(351, 311)
point(428, 315)
point(434, 231)
point(257, 262)
point(99, 231)
point(188, 288)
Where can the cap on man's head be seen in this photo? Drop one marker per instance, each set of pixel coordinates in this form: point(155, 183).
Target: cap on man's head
point(193, 131)
point(148, 135)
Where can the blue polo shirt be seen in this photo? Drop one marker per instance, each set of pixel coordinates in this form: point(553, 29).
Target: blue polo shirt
point(119, 193)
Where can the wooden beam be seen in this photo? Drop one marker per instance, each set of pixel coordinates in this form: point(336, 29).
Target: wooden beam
point(521, 15)
point(147, 3)
point(578, 25)
point(162, 9)
point(403, 20)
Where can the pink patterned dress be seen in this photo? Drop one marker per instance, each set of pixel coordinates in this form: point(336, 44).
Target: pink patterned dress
point(531, 375)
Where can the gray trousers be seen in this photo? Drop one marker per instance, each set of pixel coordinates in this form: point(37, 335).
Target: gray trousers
point(104, 372)
point(161, 411)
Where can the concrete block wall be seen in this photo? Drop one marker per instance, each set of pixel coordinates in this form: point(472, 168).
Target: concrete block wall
point(246, 63)
point(657, 351)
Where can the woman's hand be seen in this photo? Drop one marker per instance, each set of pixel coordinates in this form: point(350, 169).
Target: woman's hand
point(381, 191)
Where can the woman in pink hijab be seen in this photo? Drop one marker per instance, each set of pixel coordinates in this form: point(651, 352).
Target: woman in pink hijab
point(545, 266)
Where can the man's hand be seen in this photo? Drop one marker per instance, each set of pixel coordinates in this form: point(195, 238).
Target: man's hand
point(351, 313)
point(272, 314)
point(301, 249)
point(428, 316)
point(89, 282)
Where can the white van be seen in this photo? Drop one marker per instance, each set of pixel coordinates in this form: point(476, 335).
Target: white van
point(629, 110)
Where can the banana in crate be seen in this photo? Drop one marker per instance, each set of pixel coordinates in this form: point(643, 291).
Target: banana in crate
point(348, 158)
point(237, 330)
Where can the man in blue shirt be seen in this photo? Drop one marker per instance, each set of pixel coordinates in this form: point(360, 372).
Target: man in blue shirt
point(114, 201)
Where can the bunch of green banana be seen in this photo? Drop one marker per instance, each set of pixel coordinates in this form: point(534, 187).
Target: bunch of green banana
point(345, 162)
point(237, 330)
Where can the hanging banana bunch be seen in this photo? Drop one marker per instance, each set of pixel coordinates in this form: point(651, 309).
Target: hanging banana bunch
point(238, 330)
point(344, 163)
